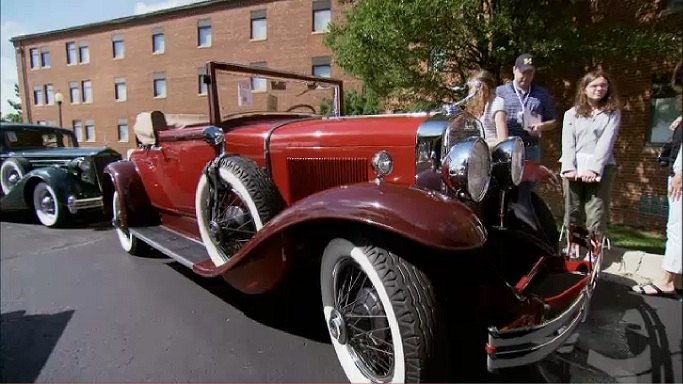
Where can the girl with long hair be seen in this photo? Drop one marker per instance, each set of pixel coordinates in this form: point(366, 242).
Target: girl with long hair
point(589, 132)
point(488, 108)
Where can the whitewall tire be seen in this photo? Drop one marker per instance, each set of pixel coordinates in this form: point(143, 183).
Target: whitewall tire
point(11, 172)
point(46, 205)
point(246, 204)
point(381, 313)
point(127, 240)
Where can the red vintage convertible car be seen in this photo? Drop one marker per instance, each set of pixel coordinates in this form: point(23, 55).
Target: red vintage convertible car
point(424, 242)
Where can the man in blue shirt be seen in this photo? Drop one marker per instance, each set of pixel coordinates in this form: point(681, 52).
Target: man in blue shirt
point(530, 109)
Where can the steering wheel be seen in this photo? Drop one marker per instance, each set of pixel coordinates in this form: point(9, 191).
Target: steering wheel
point(304, 106)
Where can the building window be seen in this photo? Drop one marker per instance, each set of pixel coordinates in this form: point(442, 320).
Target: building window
point(158, 43)
point(204, 33)
point(71, 53)
point(38, 95)
point(321, 66)
point(118, 47)
point(45, 58)
point(78, 129)
point(35, 58)
point(321, 15)
point(259, 84)
point(83, 53)
point(120, 93)
point(663, 109)
point(202, 87)
point(159, 85)
point(49, 94)
point(89, 131)
point(122, 128)
point(259, 26)
point(74, 92)
point(86, 89)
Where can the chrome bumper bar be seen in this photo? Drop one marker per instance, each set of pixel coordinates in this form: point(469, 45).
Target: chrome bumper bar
point(523, 346)
point(74, 205)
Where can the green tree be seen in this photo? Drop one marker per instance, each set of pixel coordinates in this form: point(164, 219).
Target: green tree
point(16, 115)
point(410, 50)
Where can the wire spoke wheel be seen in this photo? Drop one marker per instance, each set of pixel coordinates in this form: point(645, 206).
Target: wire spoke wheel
point(369, 336)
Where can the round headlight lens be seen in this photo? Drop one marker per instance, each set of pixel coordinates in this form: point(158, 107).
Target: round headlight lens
point(467, 166)
point(479, 170)
point(83, 165)
point(517, 162)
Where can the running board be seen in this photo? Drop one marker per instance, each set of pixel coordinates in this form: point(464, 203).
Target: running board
point(178, 247)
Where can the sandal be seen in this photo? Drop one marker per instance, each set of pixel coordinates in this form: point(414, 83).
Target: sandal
point(658, 292)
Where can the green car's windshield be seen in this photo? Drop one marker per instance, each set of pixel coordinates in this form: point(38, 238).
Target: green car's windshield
point(36, 139)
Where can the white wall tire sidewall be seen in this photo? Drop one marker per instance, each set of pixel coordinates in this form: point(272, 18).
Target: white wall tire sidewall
point(336, 249)
point(216, 255)
point(7, 167)
point(44, 218)
point(126, 240)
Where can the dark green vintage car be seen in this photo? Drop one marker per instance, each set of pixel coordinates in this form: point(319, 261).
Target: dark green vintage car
point(43, 169)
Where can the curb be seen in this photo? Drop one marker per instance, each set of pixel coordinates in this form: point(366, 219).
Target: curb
point(642, 267)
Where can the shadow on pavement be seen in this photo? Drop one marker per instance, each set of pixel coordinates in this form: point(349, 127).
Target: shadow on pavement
point(94, 221)
point(610, 334)
point(27, 342)
point(295, 308)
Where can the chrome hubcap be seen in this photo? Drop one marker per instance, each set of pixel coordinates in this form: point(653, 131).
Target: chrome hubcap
point(337, 326)
point(47, 204)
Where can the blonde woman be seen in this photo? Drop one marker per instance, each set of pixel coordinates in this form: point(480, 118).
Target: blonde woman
point(489, 108)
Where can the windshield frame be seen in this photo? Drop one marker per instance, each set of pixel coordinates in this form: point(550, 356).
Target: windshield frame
point(213, 67)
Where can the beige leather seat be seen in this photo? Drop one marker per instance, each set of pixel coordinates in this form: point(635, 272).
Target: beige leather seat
point(148, 125)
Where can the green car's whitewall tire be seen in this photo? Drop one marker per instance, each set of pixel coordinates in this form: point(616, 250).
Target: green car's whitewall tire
point(11, 172)
point(46, 206)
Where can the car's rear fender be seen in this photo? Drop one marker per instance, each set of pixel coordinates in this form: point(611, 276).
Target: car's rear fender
point(426, 218)
point(122, 176)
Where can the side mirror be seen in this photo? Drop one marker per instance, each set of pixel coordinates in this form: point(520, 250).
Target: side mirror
point(214, 137)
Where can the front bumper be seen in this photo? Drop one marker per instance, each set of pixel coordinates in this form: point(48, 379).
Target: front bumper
point(75, 205)
point(527, 345)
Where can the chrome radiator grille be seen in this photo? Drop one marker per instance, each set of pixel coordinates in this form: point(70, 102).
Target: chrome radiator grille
point(310, 175)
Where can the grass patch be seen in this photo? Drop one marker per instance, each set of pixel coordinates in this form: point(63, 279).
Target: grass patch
point(623, 236)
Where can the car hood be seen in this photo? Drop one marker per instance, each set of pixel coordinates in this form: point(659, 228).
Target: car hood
point(59, 153)
point(390, 130)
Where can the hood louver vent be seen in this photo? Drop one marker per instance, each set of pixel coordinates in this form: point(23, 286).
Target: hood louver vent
point(310, 175)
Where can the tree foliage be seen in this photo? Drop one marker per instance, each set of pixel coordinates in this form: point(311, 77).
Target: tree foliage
point(410, 50)
point(16, 115)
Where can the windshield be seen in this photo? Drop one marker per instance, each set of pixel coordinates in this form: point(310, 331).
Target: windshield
point(243, 90)
point(36, 139)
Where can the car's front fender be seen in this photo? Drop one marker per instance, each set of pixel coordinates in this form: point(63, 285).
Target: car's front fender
point(425, 217)
point(62, 182)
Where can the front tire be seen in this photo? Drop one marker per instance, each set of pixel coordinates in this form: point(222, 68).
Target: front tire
point(381, 313)
point(46, 205)
point(127, 240)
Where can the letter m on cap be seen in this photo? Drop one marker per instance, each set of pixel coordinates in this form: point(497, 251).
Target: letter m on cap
point(527, 60)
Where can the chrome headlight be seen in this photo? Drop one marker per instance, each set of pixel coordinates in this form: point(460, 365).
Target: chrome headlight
point(382, 163)
point(508, 161)
point(467, 167)
point(83, 167)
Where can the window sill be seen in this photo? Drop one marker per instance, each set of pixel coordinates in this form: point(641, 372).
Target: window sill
point(123, 141)
point(159, 97)
point(319, 32)
point(118, 58)
point(202, 94)
point(203, 46)
point(158, 53)
point(259, 90)
point(258, 40)
point(120, 101)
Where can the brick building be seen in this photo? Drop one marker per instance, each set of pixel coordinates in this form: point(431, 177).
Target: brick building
point(110, 71)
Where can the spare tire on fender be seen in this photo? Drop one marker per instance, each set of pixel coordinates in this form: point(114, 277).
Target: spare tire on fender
point(11, 171)
point(247, 200)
